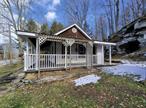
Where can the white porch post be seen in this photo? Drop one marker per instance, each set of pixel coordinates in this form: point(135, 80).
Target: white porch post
point(86, 56)
point(103, 54)
point(96, 55)
point(37, 54)
point(65, 56)
point(89, 55)
point(39, 57)
point(70, 57)
point(25, 59)
point(110, 57)
point(68, 42)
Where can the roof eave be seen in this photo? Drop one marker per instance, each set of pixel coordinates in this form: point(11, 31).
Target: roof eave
point(28, 34)
point(104, 43)
point(72, 26)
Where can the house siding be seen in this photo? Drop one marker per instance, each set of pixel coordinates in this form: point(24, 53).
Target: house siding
point(69, 34)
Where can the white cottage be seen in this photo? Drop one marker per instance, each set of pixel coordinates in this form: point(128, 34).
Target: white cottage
point(68, 48)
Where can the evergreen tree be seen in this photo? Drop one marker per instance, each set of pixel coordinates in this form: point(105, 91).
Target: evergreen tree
point(31, 26)
point(55, 27)
point(44, 29)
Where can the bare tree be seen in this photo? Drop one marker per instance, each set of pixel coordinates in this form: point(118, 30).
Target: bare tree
point(77, 11)
point(109, 9)
point(137, 8)
point(123, 13)
point(101, 29)
point(14, 12)
point(117, 4)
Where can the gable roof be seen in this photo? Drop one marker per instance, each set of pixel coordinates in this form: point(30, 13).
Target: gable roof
point(71, 27)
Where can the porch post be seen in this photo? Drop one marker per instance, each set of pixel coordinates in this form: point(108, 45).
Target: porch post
point(103, 54)
point(110, 57)
point(25, 67)
point(86, 56)
point(97, 55)
point(65, 56)
point(70, 57)
point(37, 54)
point(39, 57)
point(89, 55)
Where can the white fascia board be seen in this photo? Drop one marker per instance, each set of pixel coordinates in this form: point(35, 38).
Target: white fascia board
point(71, 27)
point(21, 33)
point(64, 30)
point(104, 43)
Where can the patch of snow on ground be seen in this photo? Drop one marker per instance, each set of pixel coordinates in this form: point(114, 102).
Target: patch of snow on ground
point(86, 80)
point(128, 69)
point(137, 63)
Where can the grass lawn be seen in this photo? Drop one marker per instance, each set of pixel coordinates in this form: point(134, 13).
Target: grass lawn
point(111, 91)
point(6, 69)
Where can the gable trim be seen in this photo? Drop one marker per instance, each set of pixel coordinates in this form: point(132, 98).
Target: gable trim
point(71, 27)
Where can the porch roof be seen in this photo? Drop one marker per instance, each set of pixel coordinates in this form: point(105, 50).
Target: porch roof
point(51, 37)
point(26, 34)
point(103, 43)
point(45, 37)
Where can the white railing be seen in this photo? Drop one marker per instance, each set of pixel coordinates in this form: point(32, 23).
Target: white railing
point(75, 60)
point(51, 61)
point(29, 61)
point(48, 61)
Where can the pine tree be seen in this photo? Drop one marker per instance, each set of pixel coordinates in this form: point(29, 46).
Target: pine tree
point(31, 26)
point(55, 27)
point(44, 29)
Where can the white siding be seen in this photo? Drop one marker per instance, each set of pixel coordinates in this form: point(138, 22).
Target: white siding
point(100, 55)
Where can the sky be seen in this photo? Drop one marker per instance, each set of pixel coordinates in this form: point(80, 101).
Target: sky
point(44, 11)
point(47, 11)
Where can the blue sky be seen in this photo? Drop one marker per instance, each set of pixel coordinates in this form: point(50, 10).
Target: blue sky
point(47, 11)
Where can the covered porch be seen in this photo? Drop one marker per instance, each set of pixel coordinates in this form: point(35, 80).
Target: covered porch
point(52, 52)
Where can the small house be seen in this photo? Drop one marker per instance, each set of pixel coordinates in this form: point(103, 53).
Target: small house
point(68, 48)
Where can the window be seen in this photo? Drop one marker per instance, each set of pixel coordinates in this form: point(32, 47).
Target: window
point(63, 49)
point(94, 49)
point(82, 49)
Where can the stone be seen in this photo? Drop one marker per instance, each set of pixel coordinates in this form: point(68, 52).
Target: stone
point(26, 81)
point(21, 75)
point(17, 80)
point(20, 84)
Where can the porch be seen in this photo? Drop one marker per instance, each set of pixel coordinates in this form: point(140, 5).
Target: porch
point(69, 59)
point(44, 52)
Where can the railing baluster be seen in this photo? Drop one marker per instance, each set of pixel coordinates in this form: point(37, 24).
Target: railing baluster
point(51, 61)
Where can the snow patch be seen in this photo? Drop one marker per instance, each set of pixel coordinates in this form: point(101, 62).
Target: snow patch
point(138, 70)
point(136, 63)
point(87, 80)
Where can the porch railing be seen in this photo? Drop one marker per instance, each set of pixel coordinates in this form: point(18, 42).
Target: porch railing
point(51, 61)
